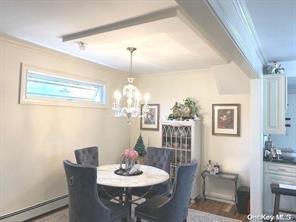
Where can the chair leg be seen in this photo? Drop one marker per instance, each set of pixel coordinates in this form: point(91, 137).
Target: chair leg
point(139, 219)
point(185, 220)
point(276, 206)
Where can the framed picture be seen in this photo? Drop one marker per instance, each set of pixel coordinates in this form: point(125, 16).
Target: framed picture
point(151, 121)
point(226, 119)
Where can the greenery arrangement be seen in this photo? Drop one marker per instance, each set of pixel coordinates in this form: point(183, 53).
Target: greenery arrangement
point(189, 109)
point(140, 147)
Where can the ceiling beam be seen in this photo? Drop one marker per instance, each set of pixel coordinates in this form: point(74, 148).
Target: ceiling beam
point(150, 17)
point(204, 19)
point(237, 20)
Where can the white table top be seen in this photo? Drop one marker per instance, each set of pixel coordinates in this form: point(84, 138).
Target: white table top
point(151, 176)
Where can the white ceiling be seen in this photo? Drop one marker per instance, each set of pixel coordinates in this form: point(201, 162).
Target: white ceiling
point(163, 46)
point(274, 21)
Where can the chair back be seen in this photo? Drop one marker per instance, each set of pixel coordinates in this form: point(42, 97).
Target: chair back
point(84, 203)
point(159, 157)
point(87, 156)
point(176, 209)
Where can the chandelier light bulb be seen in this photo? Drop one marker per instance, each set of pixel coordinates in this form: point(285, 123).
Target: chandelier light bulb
point(117, 95)
point(146, 97)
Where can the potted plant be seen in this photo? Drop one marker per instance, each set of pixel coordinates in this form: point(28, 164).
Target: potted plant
point(189, 109)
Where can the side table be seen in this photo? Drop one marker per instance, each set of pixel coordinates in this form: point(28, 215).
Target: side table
point(227, 176)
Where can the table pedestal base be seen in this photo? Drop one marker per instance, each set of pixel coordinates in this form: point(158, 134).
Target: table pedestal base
point(128, 202)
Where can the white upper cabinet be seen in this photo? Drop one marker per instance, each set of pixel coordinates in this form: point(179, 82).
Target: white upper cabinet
point(275, 103)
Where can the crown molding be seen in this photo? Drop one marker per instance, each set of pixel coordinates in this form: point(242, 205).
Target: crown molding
point(246, 18)
point(235, 17)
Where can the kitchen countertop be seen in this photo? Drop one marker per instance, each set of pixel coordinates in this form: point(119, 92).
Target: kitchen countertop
point(293, 162)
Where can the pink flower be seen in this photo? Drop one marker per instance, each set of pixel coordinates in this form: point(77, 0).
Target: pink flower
point(126, 153)
point(130, 154)
point(133, 154)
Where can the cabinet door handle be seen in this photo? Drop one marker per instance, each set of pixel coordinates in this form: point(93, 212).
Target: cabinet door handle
point(282, 169)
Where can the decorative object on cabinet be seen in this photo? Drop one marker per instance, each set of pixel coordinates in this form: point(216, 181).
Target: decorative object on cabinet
point(188, 110)
point(191, 109)
point(273, 68)
point(274, 103)
point(226, 119)
point(150, 120)
point(184, 138)
point(213, 168)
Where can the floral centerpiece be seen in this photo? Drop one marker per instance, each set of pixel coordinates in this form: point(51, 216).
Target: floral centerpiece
point(129, 157)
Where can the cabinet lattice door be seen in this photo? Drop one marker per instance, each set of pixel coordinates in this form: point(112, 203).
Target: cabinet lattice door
point(183, 137)
point(178, 139)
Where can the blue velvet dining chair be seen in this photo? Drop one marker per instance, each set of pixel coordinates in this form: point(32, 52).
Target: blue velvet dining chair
point(87, 156)
point(160, 158)
point(84, 202)
point(90, 156)
point(174, 207)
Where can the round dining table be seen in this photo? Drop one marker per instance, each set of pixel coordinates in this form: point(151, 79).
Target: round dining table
point(151, 176)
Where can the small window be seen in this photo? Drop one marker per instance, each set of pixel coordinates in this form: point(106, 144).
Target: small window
point(45, 88)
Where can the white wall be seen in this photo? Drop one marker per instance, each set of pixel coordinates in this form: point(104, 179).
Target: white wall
point(233, 153)
point(256, 144)
point(35, 139)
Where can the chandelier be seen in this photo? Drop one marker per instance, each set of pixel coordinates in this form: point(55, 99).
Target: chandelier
point(129, 106)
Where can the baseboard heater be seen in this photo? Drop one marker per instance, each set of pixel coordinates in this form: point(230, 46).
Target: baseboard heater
point(36, 210)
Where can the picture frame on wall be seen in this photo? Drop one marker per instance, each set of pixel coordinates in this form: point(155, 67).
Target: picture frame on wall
point(151, 120)
point(226, 119)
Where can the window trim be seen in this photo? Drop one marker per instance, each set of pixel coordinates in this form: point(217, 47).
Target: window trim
point(51, 102)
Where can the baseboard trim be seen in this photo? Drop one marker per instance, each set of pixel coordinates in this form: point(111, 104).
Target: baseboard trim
point(36, 210)
point(220, 197)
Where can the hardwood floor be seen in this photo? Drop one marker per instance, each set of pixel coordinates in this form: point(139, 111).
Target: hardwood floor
point(219, 208)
